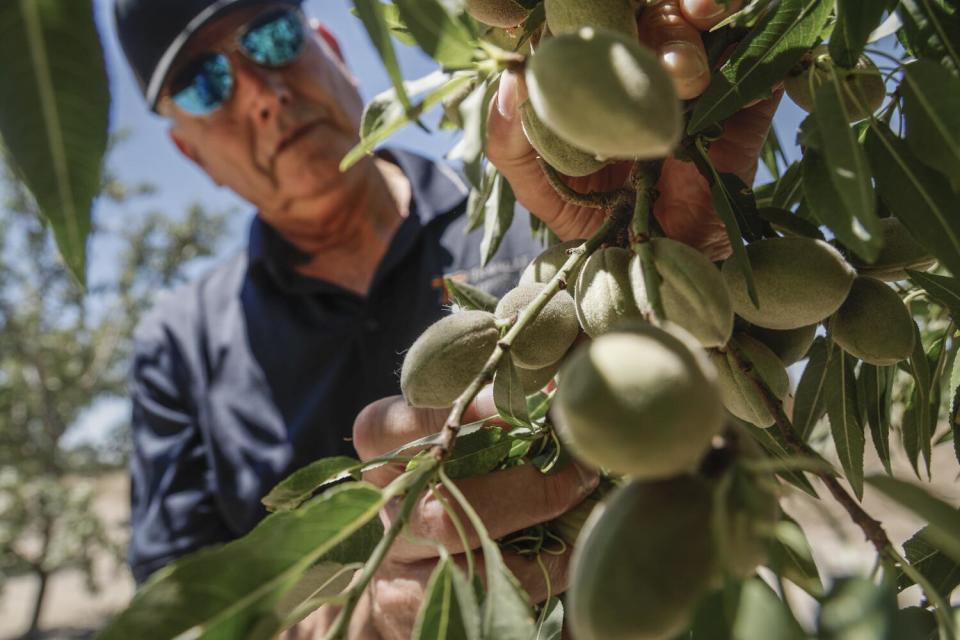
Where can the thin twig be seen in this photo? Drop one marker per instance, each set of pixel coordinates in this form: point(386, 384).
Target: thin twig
point(414, 486)
point(872, 529)
point(452, 426)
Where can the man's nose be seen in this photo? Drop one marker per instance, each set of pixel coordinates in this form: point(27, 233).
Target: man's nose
point(264, 90)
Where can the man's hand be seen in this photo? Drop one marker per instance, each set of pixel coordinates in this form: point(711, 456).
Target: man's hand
point(684, 208)
point(506, 501)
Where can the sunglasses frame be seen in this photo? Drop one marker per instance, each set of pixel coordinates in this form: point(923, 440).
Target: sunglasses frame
point(235, 46)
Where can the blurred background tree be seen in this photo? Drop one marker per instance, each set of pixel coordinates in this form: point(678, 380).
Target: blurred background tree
point(63, 348)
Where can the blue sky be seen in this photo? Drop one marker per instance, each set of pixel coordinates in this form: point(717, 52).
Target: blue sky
point(149, 156)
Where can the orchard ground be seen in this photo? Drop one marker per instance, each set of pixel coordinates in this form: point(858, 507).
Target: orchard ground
point(838, 547)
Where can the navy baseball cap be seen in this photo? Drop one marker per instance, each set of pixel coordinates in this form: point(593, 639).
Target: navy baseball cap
point(153, 32)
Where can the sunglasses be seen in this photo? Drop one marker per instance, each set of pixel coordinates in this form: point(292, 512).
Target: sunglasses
point(271, 40)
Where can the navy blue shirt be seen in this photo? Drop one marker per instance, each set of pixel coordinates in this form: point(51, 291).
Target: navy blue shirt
point(242, 377)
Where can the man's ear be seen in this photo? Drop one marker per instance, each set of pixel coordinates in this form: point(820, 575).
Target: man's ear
point(329, 38)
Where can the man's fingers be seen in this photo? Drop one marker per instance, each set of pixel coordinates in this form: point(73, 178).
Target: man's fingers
point(664, 29)
point(506, 501)
point(537, 581)
point(390, 423)
point(704, 14)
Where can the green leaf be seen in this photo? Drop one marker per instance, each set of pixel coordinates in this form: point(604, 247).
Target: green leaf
point(202, 589)
point(943, 289)
point(857, 608)
point(942, 572)
point(845, 422)
point(856, 20)
point(931, 110)
point(789, 223)
point(449, 610)
point(438, 31)
point(792, 557)
point(932, 28)
point(54, 113)
point(469, 296)
point(473, 112)
point(943, 530)
point(810, 401)
point(508, 394)
point(761, 60)
point(506, 613)
point(320, 584)
point(955, 422)
point(789, 189)
point(876, 384)
point(373, 14)
point(920, 197)
point(914, 623)
point(918, 420)
point(498, 216)
point(551, 626)
point(725, 205)
point(539, 403)
point(474, 453)
point(772, 153)
point(856, 223)
point(296, 488)
point(762, 615)
point(773, 443)
point(479, 196)
point(385, 115)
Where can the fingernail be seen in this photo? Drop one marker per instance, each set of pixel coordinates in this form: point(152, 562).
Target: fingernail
point(507, 96)
point(704, 9)
point(683, 60)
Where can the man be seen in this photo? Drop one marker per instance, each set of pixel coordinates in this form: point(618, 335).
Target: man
point(264, 364)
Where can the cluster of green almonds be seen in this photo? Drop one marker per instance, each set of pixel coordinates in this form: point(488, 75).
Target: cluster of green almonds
point(595, 93)
point(647, 402)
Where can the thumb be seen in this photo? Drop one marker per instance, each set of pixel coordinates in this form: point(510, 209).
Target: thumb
point(507, 145)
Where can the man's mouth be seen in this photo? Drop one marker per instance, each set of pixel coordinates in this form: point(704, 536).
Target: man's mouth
point(295, 135)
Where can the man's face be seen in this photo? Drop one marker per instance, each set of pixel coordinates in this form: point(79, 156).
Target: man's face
point(280, 135)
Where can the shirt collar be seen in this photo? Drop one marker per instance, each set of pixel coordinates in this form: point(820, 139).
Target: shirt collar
point(436, 189)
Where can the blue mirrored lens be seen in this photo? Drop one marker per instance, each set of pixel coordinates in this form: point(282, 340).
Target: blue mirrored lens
point(274, 41)
point(206, 85)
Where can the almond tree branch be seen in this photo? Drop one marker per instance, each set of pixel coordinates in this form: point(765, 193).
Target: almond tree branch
point(644, 178)
point(452, 426)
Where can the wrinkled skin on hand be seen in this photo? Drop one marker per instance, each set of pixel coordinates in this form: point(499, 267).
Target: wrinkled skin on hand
point(683, 208)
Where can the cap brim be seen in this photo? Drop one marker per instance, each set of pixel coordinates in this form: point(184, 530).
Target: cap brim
point(215, 10)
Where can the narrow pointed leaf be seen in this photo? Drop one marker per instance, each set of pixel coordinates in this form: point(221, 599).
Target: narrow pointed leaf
point(508, 393)
point(789, 189)
point(931, 110)
point(943, 289)
point(762, 614)
point(941, 571)
point(204, 588)
point(932, 28)
point(373, 15)
point(877, 385)
point(857, 608)
point(498, 216)
point(724, 203)
point(438, 31)
point(54, 113)
point(810, 401)
point(856, 223)
point(442, 615)
point(475, 453)
point(792, 558)
point(469, 296)
point(773, 443)
point(919, 196)
point(955, 422)
point(296, 488)
point(943, 530)
point(761, 60)
point(919, 421)
point(845, 422)
point(856, 20)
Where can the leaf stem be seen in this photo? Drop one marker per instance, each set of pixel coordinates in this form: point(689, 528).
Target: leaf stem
point(461, 532)
point(414, 486)
point(452, 426)
point(593, 200)
point(644, 178)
